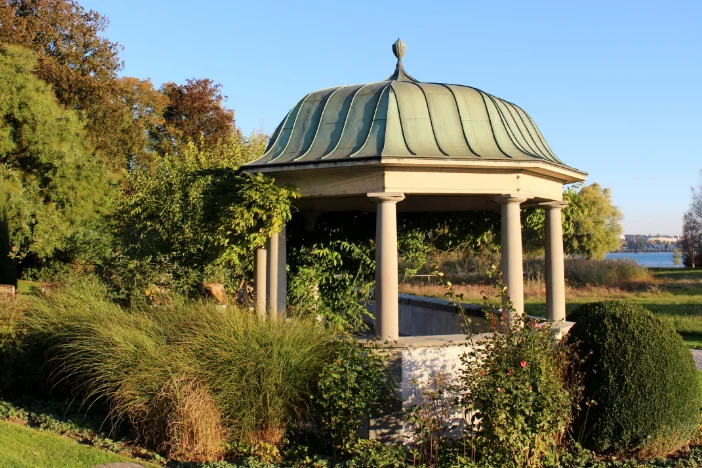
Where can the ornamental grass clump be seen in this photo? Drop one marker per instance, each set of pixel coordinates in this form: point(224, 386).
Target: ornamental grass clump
point(517, 392)
point(261, 372)
point(641, 377)
point(188, 376)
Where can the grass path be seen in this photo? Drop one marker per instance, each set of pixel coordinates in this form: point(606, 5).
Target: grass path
point(23, 447)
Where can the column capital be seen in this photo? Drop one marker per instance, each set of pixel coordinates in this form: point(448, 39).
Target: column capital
point(380, 197)
point(509, 199)
point(556, 204)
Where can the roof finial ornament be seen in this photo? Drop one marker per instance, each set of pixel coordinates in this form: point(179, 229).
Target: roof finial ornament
point(399, 48)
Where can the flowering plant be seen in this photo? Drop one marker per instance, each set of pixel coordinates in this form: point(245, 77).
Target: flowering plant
point(516, 389)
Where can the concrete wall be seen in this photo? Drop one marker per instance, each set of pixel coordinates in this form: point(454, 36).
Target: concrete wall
point(426, 316)
point(431, 344)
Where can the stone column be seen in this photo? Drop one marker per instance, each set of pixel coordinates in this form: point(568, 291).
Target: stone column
point(555, 266)
point(260, 282)
point(512, 269)
point(386, 275)
point(282, 303)
point(276, 275)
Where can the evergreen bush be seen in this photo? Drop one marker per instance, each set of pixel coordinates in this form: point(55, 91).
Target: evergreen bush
point(640, 376)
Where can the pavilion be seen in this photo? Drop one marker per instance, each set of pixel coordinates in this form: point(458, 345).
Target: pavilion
point(401, 144)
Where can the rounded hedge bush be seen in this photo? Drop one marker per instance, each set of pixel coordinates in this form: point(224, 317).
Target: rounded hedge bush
point(641, 377)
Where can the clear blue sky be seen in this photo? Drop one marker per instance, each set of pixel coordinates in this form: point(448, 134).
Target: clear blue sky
point(615, 86)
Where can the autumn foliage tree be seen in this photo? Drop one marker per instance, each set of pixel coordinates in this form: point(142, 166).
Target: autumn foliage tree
point(83, 66)
point(71, 127)
point(194, 112)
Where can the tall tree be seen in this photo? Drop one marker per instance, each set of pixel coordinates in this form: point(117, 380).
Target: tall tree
point(53, 192)
point(83, 68)
point(691, 241)
point(591, 224)
point(195, 112)
point(596, 224)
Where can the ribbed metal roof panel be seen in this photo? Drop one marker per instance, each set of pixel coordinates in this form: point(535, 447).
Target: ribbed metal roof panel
point(402, 117)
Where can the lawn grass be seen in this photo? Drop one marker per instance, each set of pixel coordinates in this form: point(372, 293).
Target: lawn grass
point(24, 447)
point(674, 294)
point(28, 287)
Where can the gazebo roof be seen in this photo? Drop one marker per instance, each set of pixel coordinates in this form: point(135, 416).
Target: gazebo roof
point(403, 118)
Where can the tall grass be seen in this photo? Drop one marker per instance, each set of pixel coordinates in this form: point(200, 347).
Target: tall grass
point(467, 267)
point(581, 272)
point(189, 376)
point(623, 274)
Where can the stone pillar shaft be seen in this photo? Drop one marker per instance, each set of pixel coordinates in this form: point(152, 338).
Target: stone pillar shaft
point(555, 261)
point(276, 275)
point(386, 274)
point(512, 269)
point(272, 276)
point(260, 282)
point(282, 303)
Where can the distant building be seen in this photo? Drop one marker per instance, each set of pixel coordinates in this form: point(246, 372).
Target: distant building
point(657, 243)
point(663, 239)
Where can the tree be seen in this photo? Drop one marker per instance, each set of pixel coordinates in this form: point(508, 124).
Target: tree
point(591, 224)
point(82, 66)
point(195, 112)
point(596, 223)
point(133, 112)
point(677, 256)
point(53, 192)
point(191, 219)
point(691, 242)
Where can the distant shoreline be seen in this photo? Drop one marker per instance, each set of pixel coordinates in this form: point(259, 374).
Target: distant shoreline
point(642, 252)
point(655, 259)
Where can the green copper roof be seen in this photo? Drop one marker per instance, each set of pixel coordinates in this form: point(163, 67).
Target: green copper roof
point(402, 117)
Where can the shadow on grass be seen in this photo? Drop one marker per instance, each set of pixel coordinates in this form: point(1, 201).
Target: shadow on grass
point(677, 273)
point(692, 340)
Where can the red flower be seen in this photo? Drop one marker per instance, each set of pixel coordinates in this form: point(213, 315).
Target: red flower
point(522, 363)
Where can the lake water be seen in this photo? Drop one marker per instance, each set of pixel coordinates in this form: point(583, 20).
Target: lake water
point(647, 259)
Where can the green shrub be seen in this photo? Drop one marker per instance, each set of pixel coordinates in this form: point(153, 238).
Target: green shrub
point(352, 386)
point(333, 281)
point(21, 358)
point(517, 394)
point(371, 453)
point(641, 377)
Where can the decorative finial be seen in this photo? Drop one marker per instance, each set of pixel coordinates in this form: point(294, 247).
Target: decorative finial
point(398, 48)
